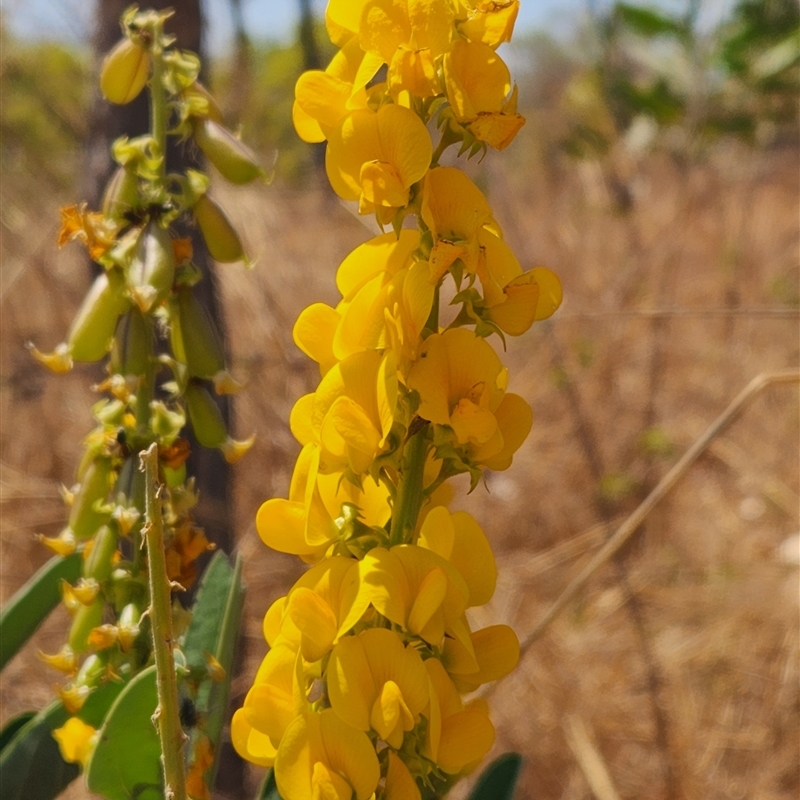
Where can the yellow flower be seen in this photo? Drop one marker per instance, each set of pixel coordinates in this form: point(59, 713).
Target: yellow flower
point(305, 524)
point(321, 757)
point(494, 653)
point(249, 742)
point(400, 784)
point(408, 35)
point(76, 741)
point(487, 21)
point(342, 19)
point(376, 683)
point(458, 737)
point(375, 157)
point(478, 83)
point(514, 421)
point(455, 210)
point(461, 383)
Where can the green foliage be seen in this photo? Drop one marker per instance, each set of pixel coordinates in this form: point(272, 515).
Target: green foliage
point(29, 607)
point(269, 789)
point(499, 779)
point(126, 764)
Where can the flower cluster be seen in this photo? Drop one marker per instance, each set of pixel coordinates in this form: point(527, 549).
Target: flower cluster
point(360, 693)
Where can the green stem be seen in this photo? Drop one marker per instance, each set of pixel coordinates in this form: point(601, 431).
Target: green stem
point(169, 725)
point(409, 493)
point(158, 100)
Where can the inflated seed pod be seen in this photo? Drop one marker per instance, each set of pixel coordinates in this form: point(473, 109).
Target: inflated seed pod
point(84, 519)
point(207, 422)
point(220, 236)
point(93, 327)
point(99, 562)
point(133, 344)
point(234, 161)
point(195, 339)
point(122, 193)
point(152, 268)
point(124, 72)
point(85, 620)
point(213, 111)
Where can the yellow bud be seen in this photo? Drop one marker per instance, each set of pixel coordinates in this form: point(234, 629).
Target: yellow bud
point(73, 697)
point(219, 234)
point(124, 72)
point(59, 361)
point(234, 161)
point(152, 269)
point(234, 449)
point(64, 660)
point(103, 637)
point(63, 545)
point(85, 591)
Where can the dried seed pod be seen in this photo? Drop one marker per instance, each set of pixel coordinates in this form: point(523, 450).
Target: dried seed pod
point(124, 72)
point(152, 268)
point(220, 236)
point(93, 327)
point(84, 518)
point(236, 162)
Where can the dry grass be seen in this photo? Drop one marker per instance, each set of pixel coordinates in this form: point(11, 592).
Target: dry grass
point(714, 654)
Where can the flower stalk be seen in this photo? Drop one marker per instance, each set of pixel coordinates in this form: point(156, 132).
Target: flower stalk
point(167, 716)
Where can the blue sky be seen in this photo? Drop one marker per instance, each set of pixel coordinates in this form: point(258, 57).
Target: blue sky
point(71, 20)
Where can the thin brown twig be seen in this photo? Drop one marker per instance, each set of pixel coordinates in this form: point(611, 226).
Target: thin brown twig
point(630, 526)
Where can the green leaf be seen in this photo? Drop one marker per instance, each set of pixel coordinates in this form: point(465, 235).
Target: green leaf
point(269, 789)
point(126, 764)
point(217, 614)
point(647, 22)
point(499, 779)
point(29, 607)
point(31, 767)
point(13, 725)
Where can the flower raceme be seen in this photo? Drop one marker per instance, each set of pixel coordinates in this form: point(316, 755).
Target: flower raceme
point(361, 693)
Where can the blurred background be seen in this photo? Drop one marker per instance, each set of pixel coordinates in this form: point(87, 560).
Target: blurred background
point(658, 175)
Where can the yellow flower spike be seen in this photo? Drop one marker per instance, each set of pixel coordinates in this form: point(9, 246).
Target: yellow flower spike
point(274, 701)
point(76, 741)
point(400, 784)
point(514, 422)
point(459, 539)
point(64, 660)
point(457, 737)
point(460, 382)
point(375, 682)
point(487, 21)
point(496, 651)
point(250, 743)
point(395, 146)
point(454, 209)
point(408, 35)
point(347, 761)
point(313, 333)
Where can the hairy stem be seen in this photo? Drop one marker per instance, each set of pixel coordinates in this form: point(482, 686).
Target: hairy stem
point(409, 493)
point(169, 725)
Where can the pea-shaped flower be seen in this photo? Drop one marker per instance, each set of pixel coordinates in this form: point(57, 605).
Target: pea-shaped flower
point(489, 22)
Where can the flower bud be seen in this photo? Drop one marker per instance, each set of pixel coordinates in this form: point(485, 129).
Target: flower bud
point(93, 327)
point(128, 625)
point(85, 620)
point(64, 660)
point(122, 193)
point(219, 234)
point(63, 545)
point(86, 590)
point(132, 345)
point(99, 562)
point(152, 268)
point(235, 161)
point(84, 519)
point(124, 72)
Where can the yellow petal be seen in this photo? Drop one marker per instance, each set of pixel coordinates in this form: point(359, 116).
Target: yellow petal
point(467, 737)
point(387, 254)
point(438, 532)
point(514, 420)
point(281, 526)
point(300, 420)
point(390, 715)
point(76, 740)
point(313, 334)
point(249, 743)
point(323, 97)
point(342, 19)
point(550, 292)
point(382, 185)
point(384, 584)
point(472, 556)
point(497, 653)
point(315, 620)
point(491, 23)
point(308, 129)
point(476, 79)
point(400, 784)
point(497, 129)
point(517, 313)
point(351, 686)
point(405, 143)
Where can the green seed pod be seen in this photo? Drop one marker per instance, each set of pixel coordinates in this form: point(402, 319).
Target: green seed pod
point(98, 564)
point(93, 327)
point(122, 193)
point(133, 344)
point(152, 268)
point(219, 234)
point(236, 162)
point(199, 97)
point(92, 671)
point(196, 340)
point(84, 520)
point(85, 620)
point(124, 72)
point(209, 427)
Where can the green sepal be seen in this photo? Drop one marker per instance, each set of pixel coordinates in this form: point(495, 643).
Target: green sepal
point(31, 604)
point(126, 764)
point(499, 779)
